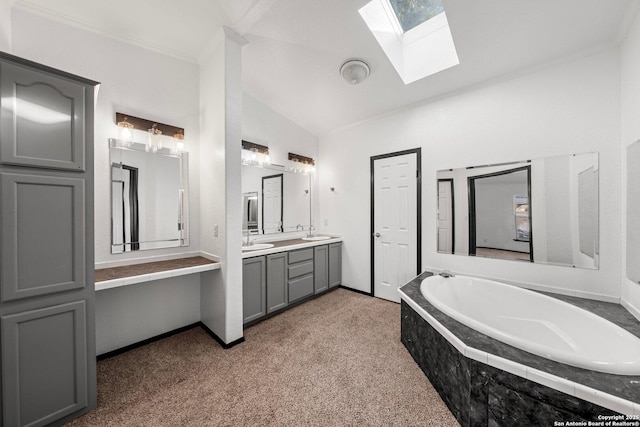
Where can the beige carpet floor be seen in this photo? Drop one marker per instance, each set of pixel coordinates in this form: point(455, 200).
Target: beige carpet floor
point(333, 361)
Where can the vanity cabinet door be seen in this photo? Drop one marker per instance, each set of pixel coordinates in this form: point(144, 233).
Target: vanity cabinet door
point(335, 264)
point(277, 289)
point(43, 224)
point(44, 364)
point(42, 119)
point(320, 268)
point(254, 288)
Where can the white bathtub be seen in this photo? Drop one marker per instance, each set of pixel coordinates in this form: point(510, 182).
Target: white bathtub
point(536, 323)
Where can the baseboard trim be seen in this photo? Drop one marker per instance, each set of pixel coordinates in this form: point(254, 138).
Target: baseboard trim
point(358, 291)
point(147, 341)
point(142, 343)
point(219, 340)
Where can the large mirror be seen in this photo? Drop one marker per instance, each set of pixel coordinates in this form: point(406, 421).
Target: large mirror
point(149, 206)
point(543, 211)
point(275, 200)
point(633, 210)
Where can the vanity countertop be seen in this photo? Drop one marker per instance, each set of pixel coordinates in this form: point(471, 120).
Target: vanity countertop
point(113, 277)
point(288, 245)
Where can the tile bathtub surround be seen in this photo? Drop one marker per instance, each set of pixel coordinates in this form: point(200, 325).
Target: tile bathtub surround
point(148, 268)
point(612, 391)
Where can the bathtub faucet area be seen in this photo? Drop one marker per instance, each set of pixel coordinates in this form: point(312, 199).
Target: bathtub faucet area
point(446, 274)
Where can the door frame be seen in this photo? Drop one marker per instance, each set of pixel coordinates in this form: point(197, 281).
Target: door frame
point(418, 153)
point(453, 211)
point(281, 175)
point(471, 183)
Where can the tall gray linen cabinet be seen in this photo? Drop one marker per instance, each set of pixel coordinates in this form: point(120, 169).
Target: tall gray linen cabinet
point(47, 295)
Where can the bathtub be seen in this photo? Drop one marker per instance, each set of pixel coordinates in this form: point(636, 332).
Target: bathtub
point(536, 323)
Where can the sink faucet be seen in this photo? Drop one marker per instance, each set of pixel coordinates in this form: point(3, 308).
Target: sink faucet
point(248, 242)
point(446, 274)
point(311, 230)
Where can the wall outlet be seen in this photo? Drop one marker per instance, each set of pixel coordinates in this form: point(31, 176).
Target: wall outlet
point(326, 222)
point(215, 230)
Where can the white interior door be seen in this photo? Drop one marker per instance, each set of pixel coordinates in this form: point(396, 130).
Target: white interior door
point(395, 223)
point(445, 216)
point(272, 203)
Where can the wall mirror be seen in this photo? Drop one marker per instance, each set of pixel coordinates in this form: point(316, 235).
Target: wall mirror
point(149, 191)
point(633, 208)
point(542, 210)
point(275, 200)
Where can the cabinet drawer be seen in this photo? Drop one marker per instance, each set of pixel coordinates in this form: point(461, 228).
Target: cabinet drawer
point(300, 269)
point(300, 255)
point(300, 288)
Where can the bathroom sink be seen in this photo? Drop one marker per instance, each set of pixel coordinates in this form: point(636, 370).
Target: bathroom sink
point(314, 238)
point(257, 246)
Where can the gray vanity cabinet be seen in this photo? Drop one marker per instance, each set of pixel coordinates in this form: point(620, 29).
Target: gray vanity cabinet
point(300, 274)
point(335, 264)
point(47, 296)
point(254, 288)
point(320, 268)
point(277, 289)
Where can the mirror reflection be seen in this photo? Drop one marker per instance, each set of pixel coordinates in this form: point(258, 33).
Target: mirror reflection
point(275, 200)
point(543, 211)
point(148, 198)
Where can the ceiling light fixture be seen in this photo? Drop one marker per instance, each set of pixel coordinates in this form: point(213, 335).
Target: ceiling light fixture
point(354, 71)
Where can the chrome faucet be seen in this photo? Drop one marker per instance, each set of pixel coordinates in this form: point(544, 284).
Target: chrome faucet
point(311, 230)
point(446, 274)
point(248, 242)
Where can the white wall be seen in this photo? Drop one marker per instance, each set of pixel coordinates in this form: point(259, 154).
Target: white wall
point(5, 26)
point(131, 314)
point(630, 71)
point(572, 107)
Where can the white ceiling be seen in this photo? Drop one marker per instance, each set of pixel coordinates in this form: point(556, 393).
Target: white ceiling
point(296, 47)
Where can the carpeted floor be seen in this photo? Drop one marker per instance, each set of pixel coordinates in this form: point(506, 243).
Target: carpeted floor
point(333, 361)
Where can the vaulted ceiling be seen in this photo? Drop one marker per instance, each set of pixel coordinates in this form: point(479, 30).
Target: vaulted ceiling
point(296, 47)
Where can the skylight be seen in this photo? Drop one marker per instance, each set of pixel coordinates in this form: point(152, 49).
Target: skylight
point(411, 13)
point(414, 35)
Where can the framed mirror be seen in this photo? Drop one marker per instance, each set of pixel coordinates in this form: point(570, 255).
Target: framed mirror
point(149, 198)
point(543, 211)
point(275, 200)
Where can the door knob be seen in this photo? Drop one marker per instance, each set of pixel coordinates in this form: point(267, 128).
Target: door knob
point(377, 234)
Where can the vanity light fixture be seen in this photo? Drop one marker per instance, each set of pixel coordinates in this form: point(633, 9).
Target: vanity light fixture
point(156, 133)
point(180, 141)
point(301, 164)
point(255, 154)
point(125, 132)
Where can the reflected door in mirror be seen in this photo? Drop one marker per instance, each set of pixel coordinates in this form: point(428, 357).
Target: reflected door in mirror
point(553, 211)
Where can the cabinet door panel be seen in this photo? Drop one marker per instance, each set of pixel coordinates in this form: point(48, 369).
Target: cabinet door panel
point(43, 245)
point(44, 364)
point(321, 268)
point(254, 300)
point(42, 119)
point(300, 288)
point(335, 264)
point(277, 290)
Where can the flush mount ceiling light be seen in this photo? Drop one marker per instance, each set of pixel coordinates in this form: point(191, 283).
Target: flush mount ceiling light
point(354, 71)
